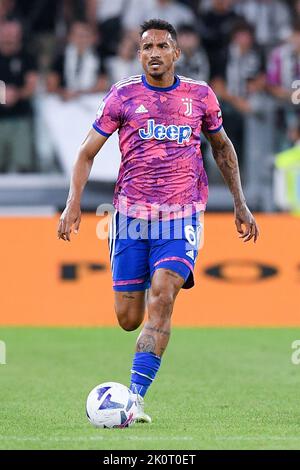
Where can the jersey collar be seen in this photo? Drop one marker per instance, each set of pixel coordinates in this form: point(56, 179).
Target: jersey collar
point(158, 88)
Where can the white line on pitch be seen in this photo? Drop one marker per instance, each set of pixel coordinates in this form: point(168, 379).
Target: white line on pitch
point(93, 438)
point(258, 438)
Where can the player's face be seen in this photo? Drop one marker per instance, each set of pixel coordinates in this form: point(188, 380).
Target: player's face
point(158, 52)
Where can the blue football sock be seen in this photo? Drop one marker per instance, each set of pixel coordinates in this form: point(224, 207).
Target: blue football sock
point(144, 368)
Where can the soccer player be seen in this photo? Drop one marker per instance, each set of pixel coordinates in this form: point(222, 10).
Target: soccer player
point(159, 117)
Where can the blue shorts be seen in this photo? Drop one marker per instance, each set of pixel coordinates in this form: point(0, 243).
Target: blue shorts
point(138, 247)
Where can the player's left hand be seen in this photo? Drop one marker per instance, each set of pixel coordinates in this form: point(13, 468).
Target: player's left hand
point(245, 223)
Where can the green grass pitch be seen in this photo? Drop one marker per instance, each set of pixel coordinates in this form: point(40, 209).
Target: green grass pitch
point(217, 389)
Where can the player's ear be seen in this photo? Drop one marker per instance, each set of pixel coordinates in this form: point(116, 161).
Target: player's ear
point(139, 55)
point(177, 53)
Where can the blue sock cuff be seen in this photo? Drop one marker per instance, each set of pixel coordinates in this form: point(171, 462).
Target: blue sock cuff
point(149, 357)
point(147, 361)
point(144, 368)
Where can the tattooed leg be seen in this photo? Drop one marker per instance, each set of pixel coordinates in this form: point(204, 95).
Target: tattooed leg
point(155, 335)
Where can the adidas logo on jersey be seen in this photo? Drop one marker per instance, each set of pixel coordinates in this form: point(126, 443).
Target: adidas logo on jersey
point(141, 109)
point(190, 254)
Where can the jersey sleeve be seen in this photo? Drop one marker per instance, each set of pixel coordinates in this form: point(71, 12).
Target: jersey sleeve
point(108, 116)
point(212, 121)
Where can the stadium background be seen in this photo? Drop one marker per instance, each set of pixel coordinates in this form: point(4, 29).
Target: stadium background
point(249, 51)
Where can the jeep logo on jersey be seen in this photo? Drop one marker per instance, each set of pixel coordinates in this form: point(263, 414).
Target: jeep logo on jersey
point(160, 132)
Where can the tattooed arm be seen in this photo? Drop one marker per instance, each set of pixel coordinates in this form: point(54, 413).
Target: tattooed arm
point(226, 159)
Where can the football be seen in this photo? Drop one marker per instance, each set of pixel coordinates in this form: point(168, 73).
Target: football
point(111, 405)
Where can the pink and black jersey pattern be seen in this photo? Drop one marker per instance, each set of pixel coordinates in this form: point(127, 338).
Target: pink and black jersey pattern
point(159, 133)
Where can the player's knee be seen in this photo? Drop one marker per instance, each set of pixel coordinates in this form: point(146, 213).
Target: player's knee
point(161, 303)
point(128, 324)
point(129, 321)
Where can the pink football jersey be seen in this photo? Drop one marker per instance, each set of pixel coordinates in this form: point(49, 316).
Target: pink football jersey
point(159, 134)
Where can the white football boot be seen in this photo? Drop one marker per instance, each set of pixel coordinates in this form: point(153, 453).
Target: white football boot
point(141, 416)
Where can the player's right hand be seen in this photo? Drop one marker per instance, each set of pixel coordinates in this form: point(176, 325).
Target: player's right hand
point(70, 216)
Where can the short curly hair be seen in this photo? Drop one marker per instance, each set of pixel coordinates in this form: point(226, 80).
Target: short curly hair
point(159, 24)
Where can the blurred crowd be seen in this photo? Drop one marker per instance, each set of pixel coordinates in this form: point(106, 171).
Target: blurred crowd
point(248, 50)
